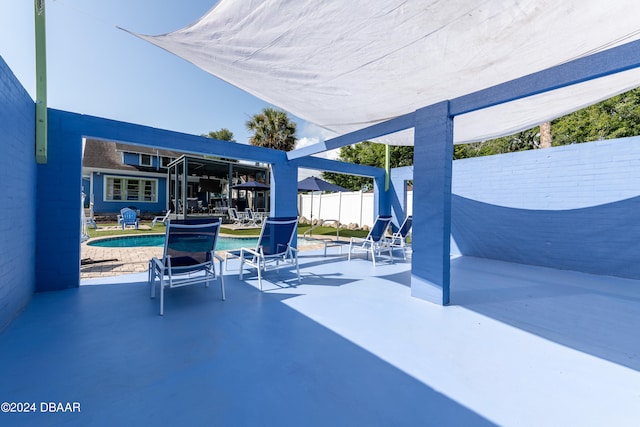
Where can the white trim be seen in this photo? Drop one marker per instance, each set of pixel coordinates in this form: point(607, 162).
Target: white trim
point(124, 172)
point(123, 190)
point(140, 163)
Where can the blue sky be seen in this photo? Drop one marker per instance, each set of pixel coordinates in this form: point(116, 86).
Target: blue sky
point(94, 68)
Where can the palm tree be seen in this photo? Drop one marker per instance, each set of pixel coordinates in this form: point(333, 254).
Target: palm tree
point(223, 134)
point(272, 129)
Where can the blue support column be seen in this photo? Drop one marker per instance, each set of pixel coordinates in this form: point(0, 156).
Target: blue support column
point(58, 209)
point(284, 189)
point(433, 159)
point(381, 204)
point(398, 193)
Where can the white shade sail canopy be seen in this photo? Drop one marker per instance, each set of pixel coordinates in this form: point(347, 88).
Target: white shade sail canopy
point(345, 65)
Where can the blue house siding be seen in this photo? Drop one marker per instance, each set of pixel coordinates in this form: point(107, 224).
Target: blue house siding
point(573, 207)
point(104, 206)
point(18, 193)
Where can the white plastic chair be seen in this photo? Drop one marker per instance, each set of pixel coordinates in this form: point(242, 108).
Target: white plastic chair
point(162, 219)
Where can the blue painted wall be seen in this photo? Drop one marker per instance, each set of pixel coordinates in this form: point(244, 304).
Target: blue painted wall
point(573, 207)
point(58, 205)
point(18, 193)
point(60, 184)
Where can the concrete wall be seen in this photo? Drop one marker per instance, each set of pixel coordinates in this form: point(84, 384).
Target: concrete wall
point(573, 207)
point(17, 195)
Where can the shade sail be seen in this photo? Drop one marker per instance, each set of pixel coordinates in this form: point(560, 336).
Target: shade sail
point(345, 65)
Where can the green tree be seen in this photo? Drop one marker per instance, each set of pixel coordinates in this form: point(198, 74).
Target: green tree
point(371, 154)
point(272, 129)
point(223, 134)
point(616, 117)
point(525, 140)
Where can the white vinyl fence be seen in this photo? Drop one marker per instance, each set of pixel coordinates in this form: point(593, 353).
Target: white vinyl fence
point(348, 208)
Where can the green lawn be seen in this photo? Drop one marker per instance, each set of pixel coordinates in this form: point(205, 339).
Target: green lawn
point(160, 228)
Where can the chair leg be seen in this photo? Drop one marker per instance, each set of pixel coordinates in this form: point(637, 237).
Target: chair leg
point(259, 277)
point(150, 280)
point(221, 281)
point(161, 298)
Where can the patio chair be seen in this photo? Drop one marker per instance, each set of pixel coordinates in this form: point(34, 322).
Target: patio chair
point(252, 218)
point(236, 217)
point(273, 248)
point(398, 240)
point(375, 240)
point(128, 217)
point(162, 219)
point(188, 258)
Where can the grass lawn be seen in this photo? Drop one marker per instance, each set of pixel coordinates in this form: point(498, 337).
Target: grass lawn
point(160, 228)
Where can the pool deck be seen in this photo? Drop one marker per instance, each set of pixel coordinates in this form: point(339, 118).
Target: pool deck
point(349, 346)
point(106, 262)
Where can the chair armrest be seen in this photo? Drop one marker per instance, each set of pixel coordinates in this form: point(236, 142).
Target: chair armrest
point(158, 263)
point(251, 251)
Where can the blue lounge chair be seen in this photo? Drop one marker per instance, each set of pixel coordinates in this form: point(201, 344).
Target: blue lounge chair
point(399, 239)
point(274, 247)
point(128, 217)
point(375, 240)
point(188, 258)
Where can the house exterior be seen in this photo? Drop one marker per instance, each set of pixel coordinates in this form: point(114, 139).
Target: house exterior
point(117, 175)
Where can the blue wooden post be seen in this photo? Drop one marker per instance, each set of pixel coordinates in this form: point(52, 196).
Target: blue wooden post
point(284, 189)
point(381, 204)
point(398, 193)
point(433, 160)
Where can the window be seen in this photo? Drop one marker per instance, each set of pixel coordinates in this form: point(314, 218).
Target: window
point(164, 161)
point(130, 189)
point(145, 160)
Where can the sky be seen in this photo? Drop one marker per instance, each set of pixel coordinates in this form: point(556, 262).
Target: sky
point(97, 69)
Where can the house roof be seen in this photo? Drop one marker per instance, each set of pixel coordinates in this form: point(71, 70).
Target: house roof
point(349, 65)
point(102, 154)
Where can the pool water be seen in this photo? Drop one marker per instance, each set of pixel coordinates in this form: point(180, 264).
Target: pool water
point(224, 243)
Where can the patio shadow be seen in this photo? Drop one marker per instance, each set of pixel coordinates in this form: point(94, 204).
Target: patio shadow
point(249, 360)
point(595, 314)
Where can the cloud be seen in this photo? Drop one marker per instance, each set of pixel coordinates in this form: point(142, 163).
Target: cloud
point(313, 134)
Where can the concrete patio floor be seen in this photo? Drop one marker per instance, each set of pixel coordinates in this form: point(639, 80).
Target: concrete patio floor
point(520, 346)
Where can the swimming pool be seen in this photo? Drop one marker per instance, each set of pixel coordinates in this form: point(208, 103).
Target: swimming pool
point(224, 243)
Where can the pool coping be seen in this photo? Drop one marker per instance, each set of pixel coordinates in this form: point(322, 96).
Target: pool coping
point(106, 262)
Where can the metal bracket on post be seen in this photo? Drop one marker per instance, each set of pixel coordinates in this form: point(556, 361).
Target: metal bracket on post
point(41, 83)
point(387, 166)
